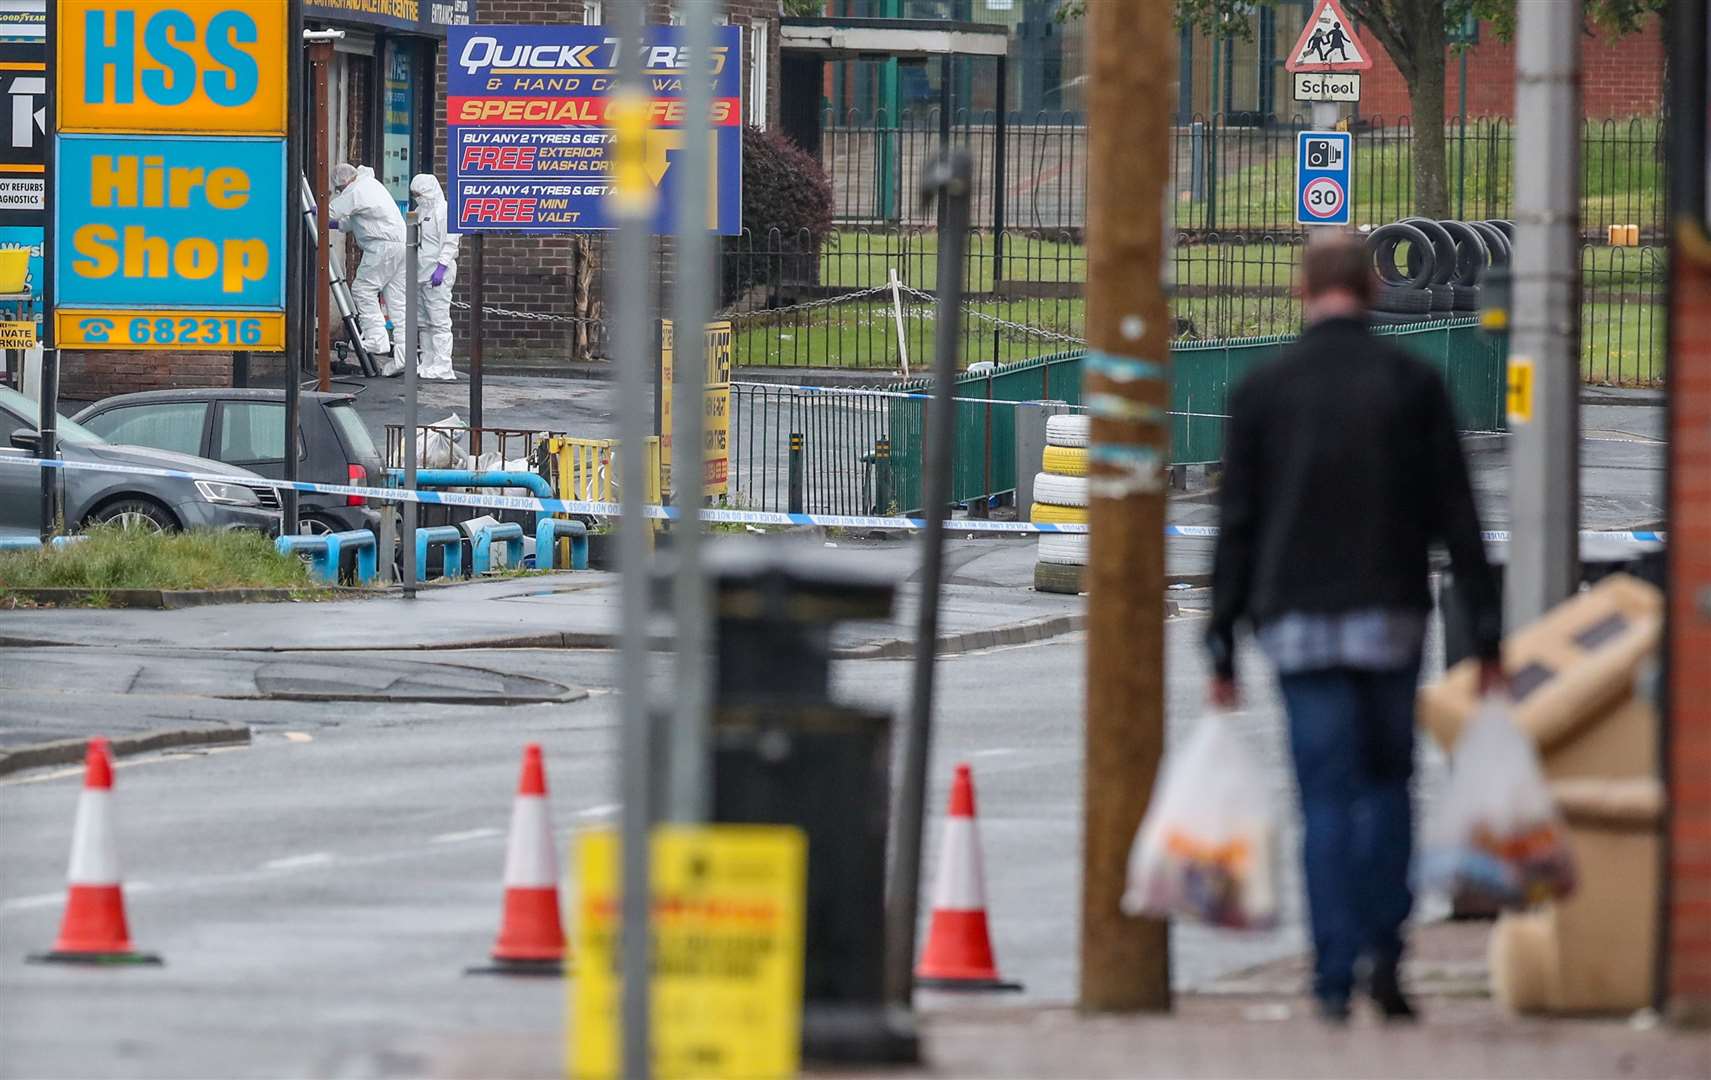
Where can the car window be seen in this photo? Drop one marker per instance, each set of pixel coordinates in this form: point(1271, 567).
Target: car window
point(165, 425)
point(359, 444)
point(251, 431)
point(18, 413)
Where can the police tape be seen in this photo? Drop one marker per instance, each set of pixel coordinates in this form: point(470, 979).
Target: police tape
point(534, 504)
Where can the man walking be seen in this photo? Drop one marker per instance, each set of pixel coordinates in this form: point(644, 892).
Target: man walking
point(1341, 467)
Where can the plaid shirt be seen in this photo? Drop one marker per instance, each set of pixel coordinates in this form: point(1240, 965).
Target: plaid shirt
point(1371, 639)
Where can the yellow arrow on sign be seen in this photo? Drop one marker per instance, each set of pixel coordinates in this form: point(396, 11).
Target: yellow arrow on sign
point(662, 141)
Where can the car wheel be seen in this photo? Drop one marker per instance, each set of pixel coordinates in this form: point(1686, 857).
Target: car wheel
point(141, 515)
point(316, 525)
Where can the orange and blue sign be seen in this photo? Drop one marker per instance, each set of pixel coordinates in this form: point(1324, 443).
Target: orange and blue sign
point(532, 143)
point(169, 193)
point(198, 66)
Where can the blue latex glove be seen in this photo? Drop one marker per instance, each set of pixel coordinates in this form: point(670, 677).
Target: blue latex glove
point(438, 277)
point(332, 223)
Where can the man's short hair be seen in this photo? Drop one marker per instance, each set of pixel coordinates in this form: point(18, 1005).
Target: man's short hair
point(1338, 261)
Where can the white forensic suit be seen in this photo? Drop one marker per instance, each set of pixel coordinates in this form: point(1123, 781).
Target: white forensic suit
point(366, 210)
point(436, 273)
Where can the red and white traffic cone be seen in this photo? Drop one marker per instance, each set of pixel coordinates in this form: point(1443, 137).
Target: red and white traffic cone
point(531, 936)
point(93, 930)
point(958, 955)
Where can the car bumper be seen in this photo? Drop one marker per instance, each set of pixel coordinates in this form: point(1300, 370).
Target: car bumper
point(205, 515)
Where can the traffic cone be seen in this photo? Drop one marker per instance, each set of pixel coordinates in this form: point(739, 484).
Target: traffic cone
point(93, 930)
point(531, 937)
point(958, 955)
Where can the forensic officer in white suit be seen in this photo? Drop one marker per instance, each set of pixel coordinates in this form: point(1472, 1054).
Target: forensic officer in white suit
point(364, 208)
point(436, 272)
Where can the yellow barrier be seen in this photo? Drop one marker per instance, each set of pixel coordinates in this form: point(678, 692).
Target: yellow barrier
point(587, 470)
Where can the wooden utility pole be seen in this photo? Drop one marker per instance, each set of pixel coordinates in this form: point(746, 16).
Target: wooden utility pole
point(1125, 963)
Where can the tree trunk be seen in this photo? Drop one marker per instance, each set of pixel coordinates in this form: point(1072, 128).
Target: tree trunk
point(1426, 99)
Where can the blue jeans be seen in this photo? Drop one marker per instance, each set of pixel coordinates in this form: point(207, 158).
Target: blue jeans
point(1351, 734)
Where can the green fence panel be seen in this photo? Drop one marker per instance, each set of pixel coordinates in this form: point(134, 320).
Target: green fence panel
point(1471, 362)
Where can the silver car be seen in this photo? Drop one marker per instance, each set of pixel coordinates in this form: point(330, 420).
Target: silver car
point(135, 501)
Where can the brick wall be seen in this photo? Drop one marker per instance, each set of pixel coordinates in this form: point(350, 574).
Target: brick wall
point(1689, 944)
point(1620, 77)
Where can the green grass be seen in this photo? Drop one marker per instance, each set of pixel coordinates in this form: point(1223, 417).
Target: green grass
point(112, 558)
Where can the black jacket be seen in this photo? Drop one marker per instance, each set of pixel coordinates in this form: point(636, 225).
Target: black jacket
point(1341, 467)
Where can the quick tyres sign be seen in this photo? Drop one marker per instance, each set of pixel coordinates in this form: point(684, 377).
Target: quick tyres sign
point(169, 174)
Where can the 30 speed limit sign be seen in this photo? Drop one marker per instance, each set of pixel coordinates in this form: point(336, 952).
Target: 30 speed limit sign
point(1323, 198)
point(1324, 167)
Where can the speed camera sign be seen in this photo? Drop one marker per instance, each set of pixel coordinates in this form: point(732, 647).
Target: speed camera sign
point(1324, 167)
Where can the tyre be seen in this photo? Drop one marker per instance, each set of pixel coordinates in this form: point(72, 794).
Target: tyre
point(1060, 490)
point(1443, 297)
point(1059, 578)
point(1507, 228)
point(1467, 297)
point(1398, 318)
point(1395, 299)
point(1068, 429)
point(1383, 242)
point(1443, 249)
point(1496, 242)
point(316, 525)
point(1065, 460)
point(1052, 514)
point(1063, 549)
point(1472, 256)
point(139, 513)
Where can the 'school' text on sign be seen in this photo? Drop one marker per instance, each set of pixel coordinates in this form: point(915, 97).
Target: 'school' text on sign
point(531, 144)
point(169, 174)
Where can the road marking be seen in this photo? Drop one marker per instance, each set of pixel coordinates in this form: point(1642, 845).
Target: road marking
point(995, 751)
point(466, 834)
point(294, 862)
point(603, 810)
point(299, 736)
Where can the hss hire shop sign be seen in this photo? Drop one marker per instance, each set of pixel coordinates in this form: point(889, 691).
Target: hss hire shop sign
point(169, 175)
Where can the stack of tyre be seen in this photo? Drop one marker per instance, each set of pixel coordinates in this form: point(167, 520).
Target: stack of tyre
point(1060, 498)
point(1433, 269)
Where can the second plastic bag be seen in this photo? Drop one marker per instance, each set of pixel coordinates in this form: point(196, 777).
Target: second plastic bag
point(1206, 849)
point(1495, 838)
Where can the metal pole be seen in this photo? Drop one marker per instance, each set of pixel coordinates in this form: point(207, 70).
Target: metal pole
point(1000, 144)
point(407, 536)
point(950, 178)
point(320, 55)
point(1461, 127)
point(688, 795)
point(633, 201)
point(793, 498)
point(47, 418)
point(241, 367)
point(477, 298)
point(1544, 339)
point(1125, 963)
point(295, 255)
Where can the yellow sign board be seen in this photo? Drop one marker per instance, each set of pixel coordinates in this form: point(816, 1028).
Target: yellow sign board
point(716, 408)
point(187, 331)
point(728, 906)
point(204, 67)
point(1520, 389)
point(18, 335)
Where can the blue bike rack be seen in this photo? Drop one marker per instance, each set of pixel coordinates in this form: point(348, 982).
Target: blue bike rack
point(449, 538)
point(326, 551)
point(507, 532)
point(548, 532)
